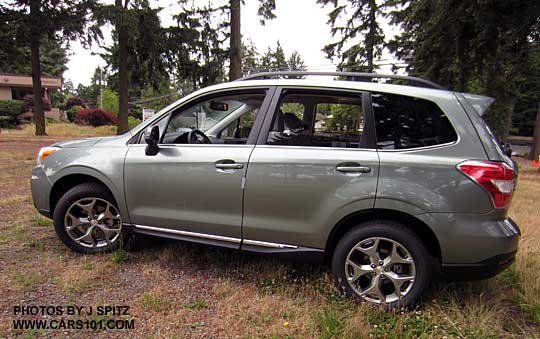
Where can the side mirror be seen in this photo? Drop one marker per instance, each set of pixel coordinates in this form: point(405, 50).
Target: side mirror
point(151, 137)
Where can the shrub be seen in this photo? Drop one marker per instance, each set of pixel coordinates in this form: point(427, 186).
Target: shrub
point(75, 102)
point(95, 117)
point(9, 109)
point(71, 113)
point(133, 122)
point(28, 103)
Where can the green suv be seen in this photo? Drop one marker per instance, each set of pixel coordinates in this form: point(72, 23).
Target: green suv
point(390, 184)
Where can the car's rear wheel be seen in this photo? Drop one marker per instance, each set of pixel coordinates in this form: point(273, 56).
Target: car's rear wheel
point(87, 219)
point(382, 262)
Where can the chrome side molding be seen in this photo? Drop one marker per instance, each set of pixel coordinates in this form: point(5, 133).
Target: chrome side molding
point(215, 237)
point(188, 234)
point(267, 244)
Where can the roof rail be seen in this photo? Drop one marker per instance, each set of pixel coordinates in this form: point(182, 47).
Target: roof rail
point(265, 75)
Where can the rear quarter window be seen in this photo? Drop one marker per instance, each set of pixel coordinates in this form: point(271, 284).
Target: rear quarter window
point(404, 122)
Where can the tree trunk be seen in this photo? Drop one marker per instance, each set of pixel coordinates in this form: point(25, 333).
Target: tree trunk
point(370, 37)
point(123, 85)
point(235, 68)
point(35, 37)
point(535, 149)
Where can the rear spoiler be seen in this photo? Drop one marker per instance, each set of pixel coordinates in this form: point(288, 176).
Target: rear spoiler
point(479, 102)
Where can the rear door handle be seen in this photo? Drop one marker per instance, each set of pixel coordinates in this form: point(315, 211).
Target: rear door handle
point(353, 168)
point(228, 165)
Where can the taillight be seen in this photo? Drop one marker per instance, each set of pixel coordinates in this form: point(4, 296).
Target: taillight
point(496, 177)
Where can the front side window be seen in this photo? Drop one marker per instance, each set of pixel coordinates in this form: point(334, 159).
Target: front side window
point(404, 122)
point(318, 120)
point(226, 119)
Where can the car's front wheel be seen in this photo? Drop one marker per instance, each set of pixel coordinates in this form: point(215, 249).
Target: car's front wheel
point(382, 262)
point(87, 219)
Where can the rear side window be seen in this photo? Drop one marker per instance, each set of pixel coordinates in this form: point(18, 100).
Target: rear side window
point(404, 122)
point(318, 119)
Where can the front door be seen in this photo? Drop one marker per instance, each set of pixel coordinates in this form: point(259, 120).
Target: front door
point(193, 186)
point(315, 164)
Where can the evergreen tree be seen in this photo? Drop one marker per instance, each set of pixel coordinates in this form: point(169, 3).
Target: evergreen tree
point(17, 59)
point(355, 23)
point(274, 60)
point(469, 45)
point(295, 62)
point(230, 28)
point(32, 21)
point(250, 58)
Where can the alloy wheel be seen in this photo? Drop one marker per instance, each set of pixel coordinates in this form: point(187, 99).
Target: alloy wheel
point(93, 222)
point(380, 270)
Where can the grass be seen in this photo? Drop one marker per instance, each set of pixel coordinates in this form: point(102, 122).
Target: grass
point(119, 256)
point(63, 130)
point(198, 304)
point(41, 221)
point(151, 302)
point(184, 290)
point(330, 323)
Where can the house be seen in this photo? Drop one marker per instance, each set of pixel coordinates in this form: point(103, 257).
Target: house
point(16, 86)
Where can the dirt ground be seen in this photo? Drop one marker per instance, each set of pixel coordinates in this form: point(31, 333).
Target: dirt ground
point(178, 290)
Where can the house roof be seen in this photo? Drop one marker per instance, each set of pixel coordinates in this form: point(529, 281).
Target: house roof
point(23, 80)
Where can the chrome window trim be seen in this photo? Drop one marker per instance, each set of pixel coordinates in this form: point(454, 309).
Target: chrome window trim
point(318, 148)
point(452, 143)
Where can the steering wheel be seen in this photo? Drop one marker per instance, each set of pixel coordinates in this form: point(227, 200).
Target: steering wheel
point(193, 137)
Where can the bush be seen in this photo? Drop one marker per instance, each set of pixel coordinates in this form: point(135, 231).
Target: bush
point(75, 102)
point(71, 113)
point(95, 117)
point(28, 103)
point(9, 109)
point(133, 122)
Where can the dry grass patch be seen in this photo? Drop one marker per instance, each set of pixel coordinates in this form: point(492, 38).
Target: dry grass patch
point(80, 278)
point(525, 211)
point(63, 130)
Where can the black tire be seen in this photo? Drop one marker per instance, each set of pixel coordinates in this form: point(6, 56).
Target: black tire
point(423, 262)
point(85, 190)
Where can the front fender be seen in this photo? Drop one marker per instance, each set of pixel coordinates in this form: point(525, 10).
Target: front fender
point(103, 164)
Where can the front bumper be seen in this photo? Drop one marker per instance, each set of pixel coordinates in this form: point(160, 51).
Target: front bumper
point(41, 189)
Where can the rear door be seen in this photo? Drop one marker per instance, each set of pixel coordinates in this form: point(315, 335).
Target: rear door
point(314, 163)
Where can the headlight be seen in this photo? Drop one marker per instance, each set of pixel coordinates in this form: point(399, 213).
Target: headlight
point(45, 152)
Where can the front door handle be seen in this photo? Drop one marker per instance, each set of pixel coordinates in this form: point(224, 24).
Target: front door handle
point(352, 168)
point(228, 165)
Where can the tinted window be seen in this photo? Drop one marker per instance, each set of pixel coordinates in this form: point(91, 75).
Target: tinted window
point(319, 120)
point(406, 122)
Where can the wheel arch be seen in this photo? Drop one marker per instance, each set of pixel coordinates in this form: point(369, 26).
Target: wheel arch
point(67, 182)
point(416, 225)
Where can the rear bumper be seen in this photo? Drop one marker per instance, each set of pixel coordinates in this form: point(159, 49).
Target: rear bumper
point(475, 250)
point(472, 239)
point(478, 271)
